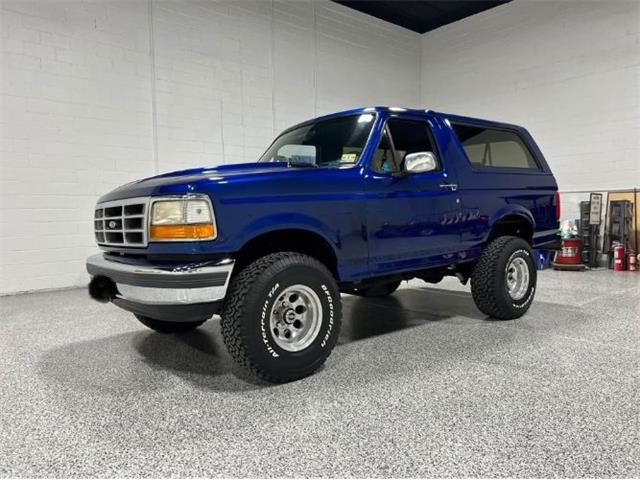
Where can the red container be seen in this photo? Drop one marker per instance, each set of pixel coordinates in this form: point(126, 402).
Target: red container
point(631, 261)
point(618, 258)
point(571, 252)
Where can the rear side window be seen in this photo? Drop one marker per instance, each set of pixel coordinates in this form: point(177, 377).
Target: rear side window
point(490, 147)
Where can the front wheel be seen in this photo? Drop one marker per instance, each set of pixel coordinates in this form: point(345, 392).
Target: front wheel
point(503, 281)
point(281, 316)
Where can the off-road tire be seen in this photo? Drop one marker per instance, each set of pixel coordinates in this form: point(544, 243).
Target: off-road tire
point(489, 279)
point(246, 315)
point(377, 291)
point(162, 326)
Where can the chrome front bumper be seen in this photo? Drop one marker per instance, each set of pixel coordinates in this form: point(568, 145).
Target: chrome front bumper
point(176, 293)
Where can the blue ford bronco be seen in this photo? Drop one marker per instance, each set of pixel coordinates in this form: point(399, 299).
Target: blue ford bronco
point(353, 202)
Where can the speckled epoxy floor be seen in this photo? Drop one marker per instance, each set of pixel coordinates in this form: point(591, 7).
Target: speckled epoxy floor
point(421, 384)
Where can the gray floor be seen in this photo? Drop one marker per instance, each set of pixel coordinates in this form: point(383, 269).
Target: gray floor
point(421, 384)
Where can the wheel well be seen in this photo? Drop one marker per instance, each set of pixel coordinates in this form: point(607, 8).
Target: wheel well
point(289, 240)
point(515, 225)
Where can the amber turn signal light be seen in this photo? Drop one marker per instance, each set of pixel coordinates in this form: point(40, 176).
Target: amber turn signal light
point(182, 232)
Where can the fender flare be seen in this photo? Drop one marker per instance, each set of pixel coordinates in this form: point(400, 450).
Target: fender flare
point(287, 221)
point(511, 210)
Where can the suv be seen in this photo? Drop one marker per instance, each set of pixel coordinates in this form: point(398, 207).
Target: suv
point(352, 202)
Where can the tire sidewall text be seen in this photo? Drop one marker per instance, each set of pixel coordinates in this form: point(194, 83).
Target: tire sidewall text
point(267, 291)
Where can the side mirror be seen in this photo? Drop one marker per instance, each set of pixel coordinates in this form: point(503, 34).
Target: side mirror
point(420, 162)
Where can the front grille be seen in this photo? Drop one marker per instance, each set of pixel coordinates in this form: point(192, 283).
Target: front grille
point(122, 222)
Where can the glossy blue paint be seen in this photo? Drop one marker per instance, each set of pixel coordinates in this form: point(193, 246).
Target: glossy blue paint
point(376, 223)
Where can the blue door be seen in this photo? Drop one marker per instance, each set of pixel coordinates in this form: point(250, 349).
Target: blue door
point(412, 219)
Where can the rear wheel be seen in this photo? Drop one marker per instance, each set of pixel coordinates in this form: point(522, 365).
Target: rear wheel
point(281, 316)
point(503, 281)
point(163, 326)
point(383, 290)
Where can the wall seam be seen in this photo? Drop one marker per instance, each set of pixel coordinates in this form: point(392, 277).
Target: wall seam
point(273, 70)
point(224, 160)
point(315, 60)
point(152, 68)
point(421, 96)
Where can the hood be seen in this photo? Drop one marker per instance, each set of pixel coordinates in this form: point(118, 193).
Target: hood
point(224, 170)
point(188, 181)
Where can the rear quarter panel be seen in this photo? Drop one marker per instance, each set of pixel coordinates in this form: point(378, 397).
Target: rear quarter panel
point(489, 194)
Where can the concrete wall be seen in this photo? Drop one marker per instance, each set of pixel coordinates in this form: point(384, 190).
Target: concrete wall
point(568, 71)
point(96, 94)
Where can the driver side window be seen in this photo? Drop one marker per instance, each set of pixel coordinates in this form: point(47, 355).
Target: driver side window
point(384, 160)
point(405, 136)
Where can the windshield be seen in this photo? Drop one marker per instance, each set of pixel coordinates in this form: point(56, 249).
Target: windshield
point(326, 143)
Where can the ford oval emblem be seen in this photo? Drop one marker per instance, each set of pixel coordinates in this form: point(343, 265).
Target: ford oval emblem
point(112, 224)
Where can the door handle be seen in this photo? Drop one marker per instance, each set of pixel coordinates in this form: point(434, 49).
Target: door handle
point(451, 186)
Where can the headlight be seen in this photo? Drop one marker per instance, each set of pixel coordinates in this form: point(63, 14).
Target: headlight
point(188, 218)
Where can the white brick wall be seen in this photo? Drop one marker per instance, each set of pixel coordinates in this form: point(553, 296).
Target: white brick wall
point(76, 114)
point(568, 71)
point(96, 94)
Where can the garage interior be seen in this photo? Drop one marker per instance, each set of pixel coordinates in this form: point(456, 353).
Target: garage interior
point(421, 384)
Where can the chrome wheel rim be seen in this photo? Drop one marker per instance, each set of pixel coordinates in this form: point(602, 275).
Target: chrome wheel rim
point(517, 278)
point(296, 317)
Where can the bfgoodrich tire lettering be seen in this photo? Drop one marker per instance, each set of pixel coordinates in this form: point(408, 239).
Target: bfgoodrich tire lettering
point(489, 278)
point(246, 315)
